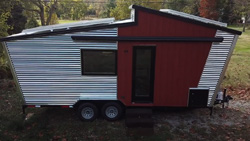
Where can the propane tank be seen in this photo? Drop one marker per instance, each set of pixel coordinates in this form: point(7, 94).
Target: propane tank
point(219, 96)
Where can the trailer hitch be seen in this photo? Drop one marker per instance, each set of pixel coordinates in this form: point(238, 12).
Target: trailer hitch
point(223, 99)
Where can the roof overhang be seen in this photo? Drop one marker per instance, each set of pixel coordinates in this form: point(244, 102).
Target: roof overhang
point(185, 19)
point(106, 23)
point(147, 39)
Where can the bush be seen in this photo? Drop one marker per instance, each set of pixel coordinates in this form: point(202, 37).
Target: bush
point(54, 19)
point(32, 23)
point(4, 67)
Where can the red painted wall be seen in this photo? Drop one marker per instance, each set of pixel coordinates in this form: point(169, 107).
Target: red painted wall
point(178, 65)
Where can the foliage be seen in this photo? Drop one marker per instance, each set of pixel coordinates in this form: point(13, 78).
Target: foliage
point(78, 11)
point(243, 6)
point(32, 22)
point(122, 11)
point(3, 24)
point(91, 10)
point(192, 7)
point(72, 10)
point(44, 8)
point(108, 7)
point(5, 8)
point(208, 9)
point(178, 5)
point(228, 12)
point(54, 19)
point(16, 20)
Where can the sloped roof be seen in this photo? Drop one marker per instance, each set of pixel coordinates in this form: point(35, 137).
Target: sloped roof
point(182, 17)
point(111, 23)
point(193, 17)
point(66, 26)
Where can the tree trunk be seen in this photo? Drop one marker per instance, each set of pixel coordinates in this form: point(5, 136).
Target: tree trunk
point(42, 16)
point(244, 27)
point(245, 23)
point(51, 11)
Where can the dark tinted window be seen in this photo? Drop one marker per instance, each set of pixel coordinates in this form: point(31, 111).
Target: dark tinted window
point(98, 62)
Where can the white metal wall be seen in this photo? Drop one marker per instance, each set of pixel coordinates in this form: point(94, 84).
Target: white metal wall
point(216, 64)
point(48, 69)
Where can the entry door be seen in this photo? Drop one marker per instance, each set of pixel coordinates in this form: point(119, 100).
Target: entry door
point(143, 74)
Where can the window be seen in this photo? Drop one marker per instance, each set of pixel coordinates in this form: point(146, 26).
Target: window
point(98, 62)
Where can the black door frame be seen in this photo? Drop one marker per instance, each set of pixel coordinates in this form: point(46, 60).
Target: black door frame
point(149, 99)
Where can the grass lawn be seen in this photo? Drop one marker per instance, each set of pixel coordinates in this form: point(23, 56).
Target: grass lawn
point(66, 21)
point(61, 21)
point(238, 71)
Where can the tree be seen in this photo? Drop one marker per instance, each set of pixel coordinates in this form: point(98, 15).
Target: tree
point(31, 23)
point(64, 9)
point(208, 9)
point(227, 11)
point(108, 8)
point(243, 6)
point(44, 8)
point(16, 20)
point(72, 10)
point(192, 7)
point(178, 5)
point(122, 11)
point(78, 11)
point(5, 8)
point(3, 24)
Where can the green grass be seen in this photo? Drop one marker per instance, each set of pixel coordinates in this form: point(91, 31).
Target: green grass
point(238, 71)
point(67, 21)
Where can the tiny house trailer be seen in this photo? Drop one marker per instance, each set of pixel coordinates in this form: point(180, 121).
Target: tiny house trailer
point(156, 58)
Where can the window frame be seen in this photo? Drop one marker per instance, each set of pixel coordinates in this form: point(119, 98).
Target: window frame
point(98, 50)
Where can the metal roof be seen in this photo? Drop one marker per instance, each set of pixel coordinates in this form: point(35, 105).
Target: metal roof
point(193, 17)
point(111, 23)
point(66, 26)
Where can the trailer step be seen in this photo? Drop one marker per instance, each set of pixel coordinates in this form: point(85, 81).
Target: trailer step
point(139, 117)
point(139, 112)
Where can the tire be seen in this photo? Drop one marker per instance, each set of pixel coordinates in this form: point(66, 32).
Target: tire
point(87, 112)
point(112, 111)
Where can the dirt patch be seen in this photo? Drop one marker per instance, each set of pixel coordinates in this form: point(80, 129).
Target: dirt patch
point(230, 123)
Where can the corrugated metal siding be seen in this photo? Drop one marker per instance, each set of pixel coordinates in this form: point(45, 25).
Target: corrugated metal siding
point(49, 69)
point(216, 64)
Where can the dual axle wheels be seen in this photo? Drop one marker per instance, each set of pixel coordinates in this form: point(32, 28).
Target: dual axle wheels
point(111, 111)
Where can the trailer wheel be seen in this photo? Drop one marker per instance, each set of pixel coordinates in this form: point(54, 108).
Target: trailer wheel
point(87, 112)
point(112, 111)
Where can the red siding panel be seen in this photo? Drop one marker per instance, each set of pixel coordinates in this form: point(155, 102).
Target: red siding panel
point(156, 25)
point(124, 69)
point(178, 65)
